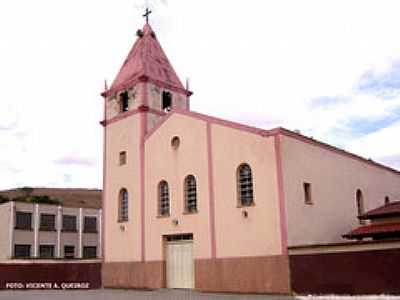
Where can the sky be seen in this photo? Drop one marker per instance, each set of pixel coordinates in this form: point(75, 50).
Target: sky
point(330, 69)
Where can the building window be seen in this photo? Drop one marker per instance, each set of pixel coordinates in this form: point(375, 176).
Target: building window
point(69, 223)
point(179, 237)
point(90, 225)
point(124, 101)
point(166, 101)
point(163, 198)
point(307, 193)
point(69, 251)
point(23, 220)
point(46, 251)
point(90, 252)
point(360, 205)
point(123, 206)
point(175, 142)
point(387, 200)
point(47, 222)
point(190, 194)
point(22, 251)
point(244, 179)
point(122, 158)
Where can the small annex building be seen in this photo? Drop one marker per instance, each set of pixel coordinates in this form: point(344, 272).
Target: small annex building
point(382, 223)
point(193, 201)
point(50, 238)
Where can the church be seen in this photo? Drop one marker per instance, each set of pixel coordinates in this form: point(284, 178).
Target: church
point(197, 202)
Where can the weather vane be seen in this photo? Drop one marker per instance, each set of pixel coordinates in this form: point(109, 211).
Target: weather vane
point(146, 15)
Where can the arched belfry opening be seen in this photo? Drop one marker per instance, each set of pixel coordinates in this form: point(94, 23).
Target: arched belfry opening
point(166, 101)
point(124, 101)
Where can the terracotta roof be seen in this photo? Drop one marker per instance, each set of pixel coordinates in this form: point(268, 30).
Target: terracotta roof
point(372, 230)
point(145, 60)
point(388, 210)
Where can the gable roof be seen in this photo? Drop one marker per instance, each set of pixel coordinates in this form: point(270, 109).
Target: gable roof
point(372, 230)
point(267, 133)
point(145, 61)
point(391, 209)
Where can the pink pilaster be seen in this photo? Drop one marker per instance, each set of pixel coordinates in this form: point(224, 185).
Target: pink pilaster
point(143, 130)
point(103, 193)
point(211, 192)
point(281, 193)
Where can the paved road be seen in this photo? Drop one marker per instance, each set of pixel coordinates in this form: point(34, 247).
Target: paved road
point(127, 295)
point(158, 295)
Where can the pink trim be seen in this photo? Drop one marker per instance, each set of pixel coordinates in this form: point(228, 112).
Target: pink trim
point(103, 193)
point(223, 122)
point(283, 131)
point(143, 108)
point(157, 126)
point(211, 191)
point(131, 113)
point(273, 132)
point(142, 185)
point(120, 116)
point(281, 194)
point(143, 129)
point(210, 119)
point(112, 92)
point(145, 79)
point(170, 87)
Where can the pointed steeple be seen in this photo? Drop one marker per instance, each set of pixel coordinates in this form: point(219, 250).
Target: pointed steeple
point(146, 62)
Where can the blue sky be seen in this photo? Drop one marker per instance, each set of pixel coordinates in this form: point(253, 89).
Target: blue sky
point(330, 69)
point(382, 88)
point(385, 85)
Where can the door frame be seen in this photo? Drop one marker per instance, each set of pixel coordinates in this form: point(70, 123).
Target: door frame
point(175, 238)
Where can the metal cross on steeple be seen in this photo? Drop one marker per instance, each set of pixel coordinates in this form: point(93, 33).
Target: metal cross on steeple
point(146, 15)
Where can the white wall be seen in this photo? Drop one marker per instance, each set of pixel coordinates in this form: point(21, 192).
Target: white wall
point(5, 213)
point(334, 178)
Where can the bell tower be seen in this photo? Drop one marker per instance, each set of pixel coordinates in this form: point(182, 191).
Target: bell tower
point(147, 67)
point(145, 89)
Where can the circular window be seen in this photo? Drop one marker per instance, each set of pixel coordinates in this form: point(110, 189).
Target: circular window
point(175, 142)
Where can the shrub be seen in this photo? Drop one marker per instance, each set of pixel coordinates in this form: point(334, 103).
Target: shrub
point(4, 199)
point(40, 199)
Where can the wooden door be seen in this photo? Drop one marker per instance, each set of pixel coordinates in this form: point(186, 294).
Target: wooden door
point(180, 266)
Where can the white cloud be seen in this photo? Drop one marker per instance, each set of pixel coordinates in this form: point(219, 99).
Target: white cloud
point(380, 144)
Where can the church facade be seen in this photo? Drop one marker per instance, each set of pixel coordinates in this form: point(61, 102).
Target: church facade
point(193, 201)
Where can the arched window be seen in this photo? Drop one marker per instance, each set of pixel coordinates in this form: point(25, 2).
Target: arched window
point(124, 102)
point(123, 205)
point(244, 181)
point(190, 194)
point(163, 198)
point(360, 204)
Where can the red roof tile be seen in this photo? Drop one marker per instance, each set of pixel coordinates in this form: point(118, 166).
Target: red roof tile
point(146, 59)
point(387, 210)
point(372, 230)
